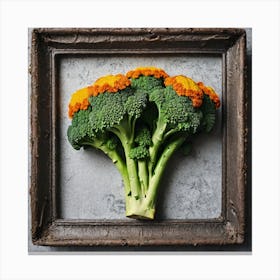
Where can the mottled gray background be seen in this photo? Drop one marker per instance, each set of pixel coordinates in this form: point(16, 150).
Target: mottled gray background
point(90, 185)
point(191, 187)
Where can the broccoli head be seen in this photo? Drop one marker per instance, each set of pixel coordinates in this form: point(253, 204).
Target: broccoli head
point(139, 120)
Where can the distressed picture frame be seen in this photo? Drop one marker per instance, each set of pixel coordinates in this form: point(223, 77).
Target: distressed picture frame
point(48, 46)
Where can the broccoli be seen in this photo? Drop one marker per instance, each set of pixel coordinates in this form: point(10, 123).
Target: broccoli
point(139, 120)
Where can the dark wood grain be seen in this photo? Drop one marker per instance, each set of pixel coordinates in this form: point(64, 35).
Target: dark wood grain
point(47, 46)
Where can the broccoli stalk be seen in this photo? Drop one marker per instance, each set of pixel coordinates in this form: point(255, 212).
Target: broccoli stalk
point(139, 128)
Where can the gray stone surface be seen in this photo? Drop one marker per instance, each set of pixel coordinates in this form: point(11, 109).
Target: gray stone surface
point(91, 187)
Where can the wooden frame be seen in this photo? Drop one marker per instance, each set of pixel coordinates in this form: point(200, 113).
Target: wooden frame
point(47, 46)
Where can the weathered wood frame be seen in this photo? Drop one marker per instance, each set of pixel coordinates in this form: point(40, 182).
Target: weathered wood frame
point(50, 44)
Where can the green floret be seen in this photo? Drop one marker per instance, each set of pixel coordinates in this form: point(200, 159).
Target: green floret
point(147, 83)
point(81, 130)
point(112, 143)
point(142, 141)
point(143, 137)
point(107, 110)
point(135, 104)
point(117, 112)
point(209, 114)
point(140, 152)
point(176, 112)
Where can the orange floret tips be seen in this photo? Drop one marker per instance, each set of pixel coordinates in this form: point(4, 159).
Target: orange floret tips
point(211, 93)
point(185, 86)
point(147, 71)
point(78, 101)
point(110, 83)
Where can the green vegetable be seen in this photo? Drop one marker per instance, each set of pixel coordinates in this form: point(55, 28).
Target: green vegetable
point(140, 127)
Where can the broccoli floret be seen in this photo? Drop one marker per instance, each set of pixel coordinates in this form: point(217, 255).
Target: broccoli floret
point(140, 152)
point(147, 83)
point(209, 114)
point(140, 123)
point(143, 138)
point(81, 130)
point(176, 113)
point(112, 143)
point(143, 141)
point(107, 111)
point(135, 104)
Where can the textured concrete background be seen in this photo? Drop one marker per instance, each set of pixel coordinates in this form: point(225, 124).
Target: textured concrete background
point(91, 187)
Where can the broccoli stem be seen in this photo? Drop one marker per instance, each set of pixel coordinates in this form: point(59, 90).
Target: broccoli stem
point(160, 168)
point(133, 175)
point(143, 176)
point(157, 141)
point(144, 208)
point(170, 133)
point(124, 133)
point(139, 209)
